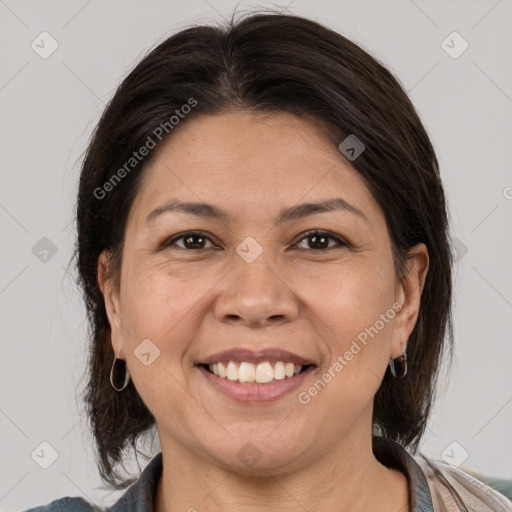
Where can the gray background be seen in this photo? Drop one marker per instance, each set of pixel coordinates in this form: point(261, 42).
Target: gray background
point(48, 109)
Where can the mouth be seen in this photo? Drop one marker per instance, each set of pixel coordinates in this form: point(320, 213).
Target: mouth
point(249, 373)
point(251, 377)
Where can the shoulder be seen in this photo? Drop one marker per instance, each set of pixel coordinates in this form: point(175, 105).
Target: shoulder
point(452, 487)
point(67, 504)
point(139, 496)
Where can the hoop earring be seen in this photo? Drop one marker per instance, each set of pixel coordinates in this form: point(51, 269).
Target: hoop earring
point(119, 374)
point(398, 366)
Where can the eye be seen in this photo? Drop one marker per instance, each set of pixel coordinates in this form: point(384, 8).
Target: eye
point(196, 240)
point(320, 240)
point(193, 240)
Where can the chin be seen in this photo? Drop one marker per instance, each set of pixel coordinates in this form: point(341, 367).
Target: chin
point(257, 457)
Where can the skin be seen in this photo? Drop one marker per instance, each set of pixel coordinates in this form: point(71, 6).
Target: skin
point(193, 302)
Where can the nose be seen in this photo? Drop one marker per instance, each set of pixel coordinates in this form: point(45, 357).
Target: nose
point(256, 294)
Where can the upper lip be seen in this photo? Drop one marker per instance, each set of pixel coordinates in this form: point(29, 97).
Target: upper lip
point(256, 356)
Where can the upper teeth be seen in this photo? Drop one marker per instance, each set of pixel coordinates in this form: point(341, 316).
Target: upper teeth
point(248, 372)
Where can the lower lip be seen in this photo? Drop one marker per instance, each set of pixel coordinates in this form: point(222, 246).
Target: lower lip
point(254, 392)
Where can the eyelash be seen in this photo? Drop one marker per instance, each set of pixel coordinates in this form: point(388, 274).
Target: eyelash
point(341, 243)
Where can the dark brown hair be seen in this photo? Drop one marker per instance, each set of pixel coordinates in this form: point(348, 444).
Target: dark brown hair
point(267, 62)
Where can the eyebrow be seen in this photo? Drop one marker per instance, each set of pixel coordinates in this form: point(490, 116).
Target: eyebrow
point(296, 212)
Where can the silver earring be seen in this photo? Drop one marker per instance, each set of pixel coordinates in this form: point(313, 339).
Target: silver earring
point(398, 366)
point(119, 374)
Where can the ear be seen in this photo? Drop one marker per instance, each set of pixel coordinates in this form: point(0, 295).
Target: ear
point(408, 293)
point(110, 295)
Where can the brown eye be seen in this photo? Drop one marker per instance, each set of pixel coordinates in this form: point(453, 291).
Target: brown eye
point(319, 240)
point(193, 240)
point(196, 240)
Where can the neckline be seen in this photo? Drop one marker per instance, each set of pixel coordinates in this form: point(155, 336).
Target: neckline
point(141, 496)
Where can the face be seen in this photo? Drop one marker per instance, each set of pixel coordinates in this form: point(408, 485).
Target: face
point(261, 281)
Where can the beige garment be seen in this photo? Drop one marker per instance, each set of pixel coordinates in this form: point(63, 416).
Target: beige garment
point(454, 490)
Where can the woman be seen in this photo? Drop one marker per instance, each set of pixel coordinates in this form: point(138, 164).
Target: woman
point(263, 248)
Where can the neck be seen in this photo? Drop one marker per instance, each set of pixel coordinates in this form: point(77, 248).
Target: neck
point(347, 479)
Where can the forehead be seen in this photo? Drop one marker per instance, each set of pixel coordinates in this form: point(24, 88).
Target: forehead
point(243, 160)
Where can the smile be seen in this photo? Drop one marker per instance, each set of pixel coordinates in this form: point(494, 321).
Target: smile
point(261, 373)
point(254, 392)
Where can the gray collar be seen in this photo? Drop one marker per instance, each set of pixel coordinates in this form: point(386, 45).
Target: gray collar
point(140, 497)
point(394, 455)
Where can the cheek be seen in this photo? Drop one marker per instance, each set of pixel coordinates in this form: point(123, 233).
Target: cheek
point(359, 312)
point(358, 294)
point(354, 316)
point(162, 306)
point(153, 303)
point(158, 319)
